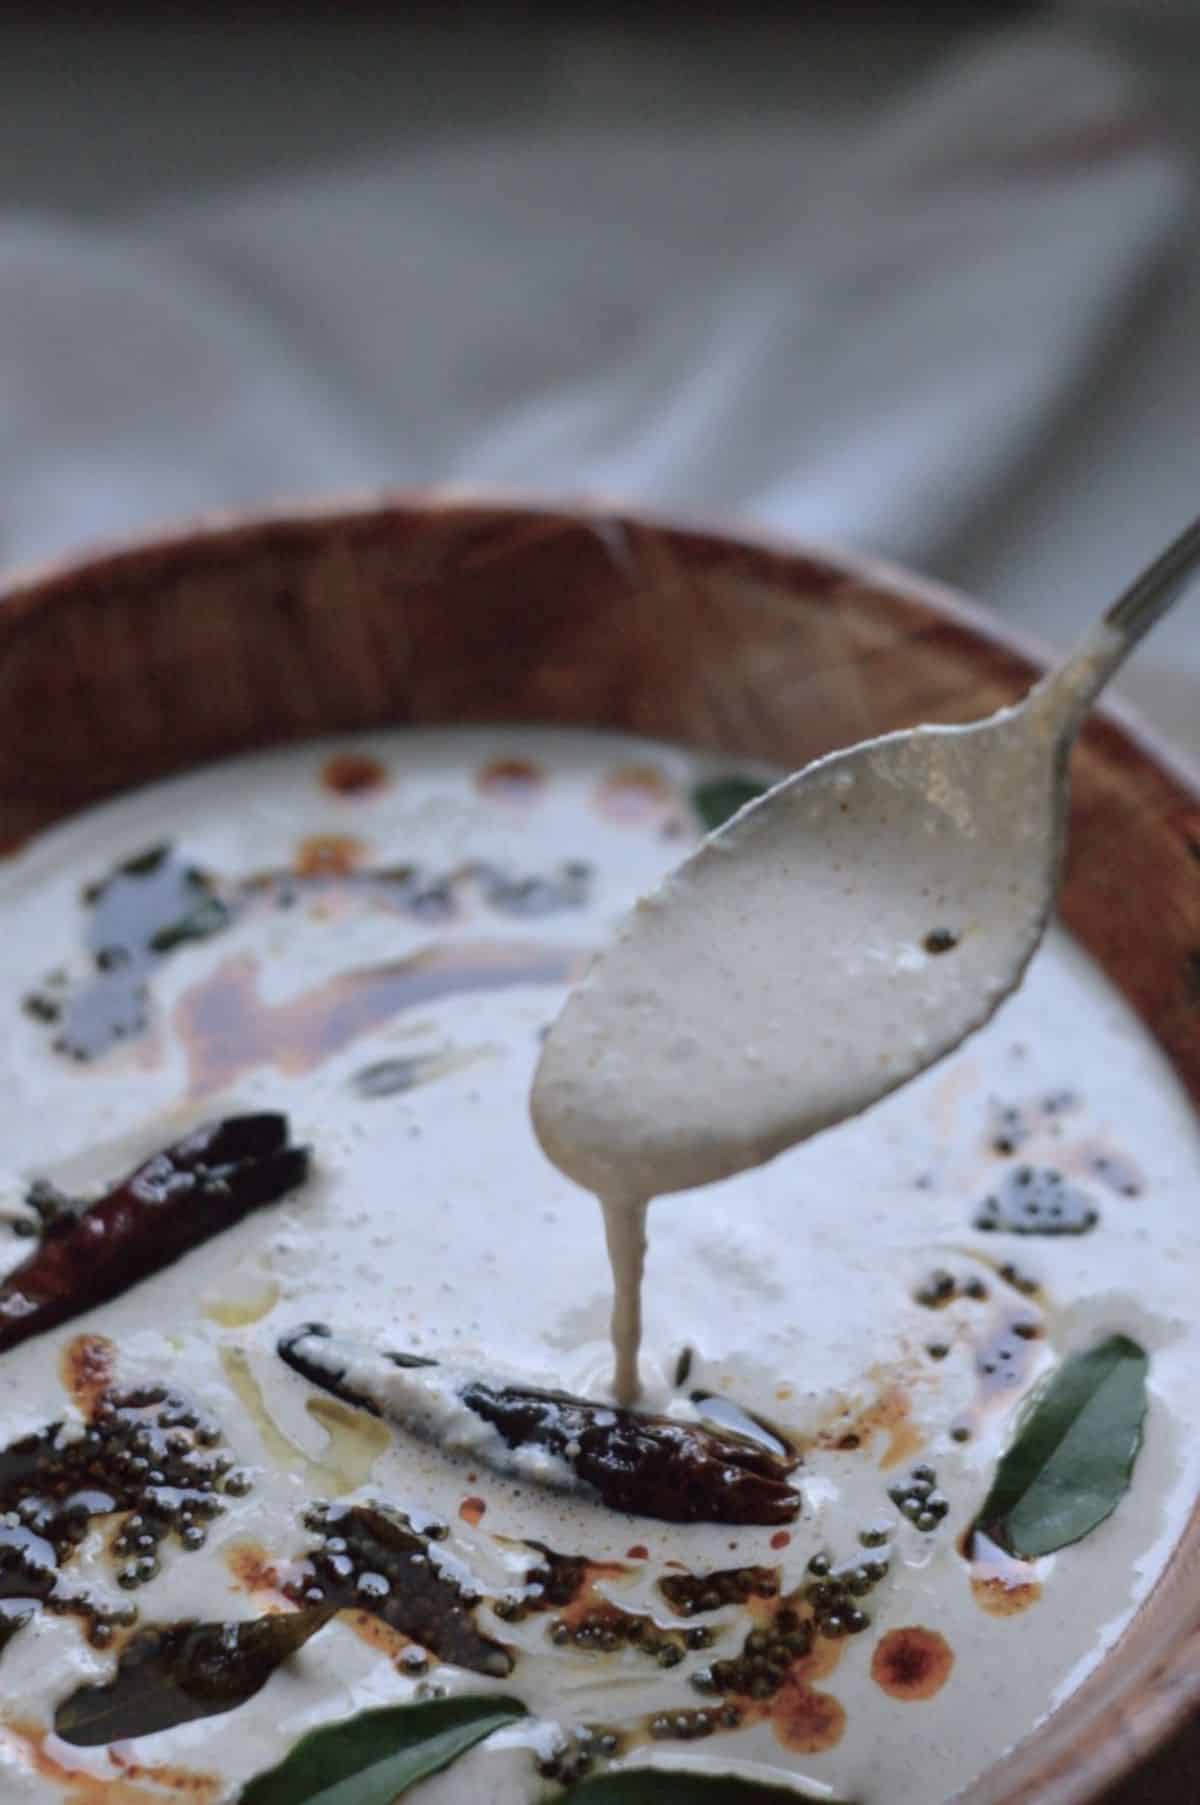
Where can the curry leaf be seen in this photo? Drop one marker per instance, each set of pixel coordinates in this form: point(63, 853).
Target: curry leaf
point(170, 1674)
point(1074, 1453)
point(372, 1758)
point(675, 1786)
point(717, 798)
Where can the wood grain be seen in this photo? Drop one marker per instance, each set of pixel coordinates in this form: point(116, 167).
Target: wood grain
point(242, 635)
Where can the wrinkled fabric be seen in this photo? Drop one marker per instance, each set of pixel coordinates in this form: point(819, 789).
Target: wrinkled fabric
point(893, 327)
point(855, 334)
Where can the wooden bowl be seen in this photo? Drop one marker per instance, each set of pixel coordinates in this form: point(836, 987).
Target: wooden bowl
point(238, 635)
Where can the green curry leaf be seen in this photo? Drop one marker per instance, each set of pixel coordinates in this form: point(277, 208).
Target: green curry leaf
point(717, 798)
point(372, 1758)
point(1073, 1457)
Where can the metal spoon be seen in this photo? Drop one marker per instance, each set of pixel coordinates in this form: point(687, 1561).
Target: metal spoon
point(838, 935)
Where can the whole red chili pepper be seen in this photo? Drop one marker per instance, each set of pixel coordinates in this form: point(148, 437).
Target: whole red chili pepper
point(171, 1203)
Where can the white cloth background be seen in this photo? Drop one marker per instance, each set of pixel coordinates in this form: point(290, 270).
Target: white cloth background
point(863, 329)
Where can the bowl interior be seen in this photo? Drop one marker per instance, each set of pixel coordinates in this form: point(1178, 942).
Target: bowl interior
point(136, 664)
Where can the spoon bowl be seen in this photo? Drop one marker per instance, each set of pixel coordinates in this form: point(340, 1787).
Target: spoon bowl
point(899, 890)
point(841, 933)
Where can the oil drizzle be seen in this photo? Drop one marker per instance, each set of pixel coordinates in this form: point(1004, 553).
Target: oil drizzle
point(635, 795)
point(240, 1309)
point(1001, 1585)
point(228, 1030)
point(356, 1440)
point(348, 1458)
point(513, 780)
point(153, 904)
point(121, 1786)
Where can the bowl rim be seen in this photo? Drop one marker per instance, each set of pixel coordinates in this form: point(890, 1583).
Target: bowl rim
point(1155, 1701)
point(28, 584)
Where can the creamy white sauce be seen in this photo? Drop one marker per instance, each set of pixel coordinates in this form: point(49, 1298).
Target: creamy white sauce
point(434, 1224)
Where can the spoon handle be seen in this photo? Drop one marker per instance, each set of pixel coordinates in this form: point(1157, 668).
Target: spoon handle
point(1067, 692)
point(1150, 595)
